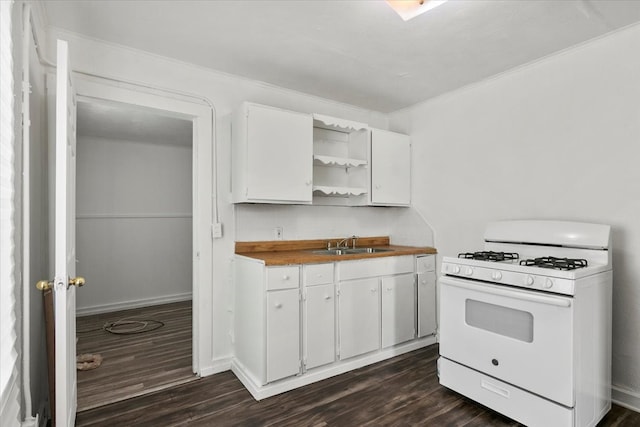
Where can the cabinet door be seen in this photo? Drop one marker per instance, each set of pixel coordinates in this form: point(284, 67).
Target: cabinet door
point(359, 317)
point(426, 304)
point(398, 309)
point(390, 168)
point(320, 332)
point(283, 334)
point(280, 155)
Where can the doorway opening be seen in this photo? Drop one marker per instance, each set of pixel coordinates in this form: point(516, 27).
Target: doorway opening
point(134, 236)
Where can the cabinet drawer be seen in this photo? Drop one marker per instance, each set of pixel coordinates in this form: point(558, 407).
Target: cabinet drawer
point(425, 263)
point(283, 277)
point(317, 274)
point(503, 397)
point(387, 266)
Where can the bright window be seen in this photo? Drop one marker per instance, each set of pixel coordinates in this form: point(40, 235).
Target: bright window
point(8, 355)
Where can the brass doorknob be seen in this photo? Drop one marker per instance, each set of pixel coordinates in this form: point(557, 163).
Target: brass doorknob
point(77, 281)
point(44, 285)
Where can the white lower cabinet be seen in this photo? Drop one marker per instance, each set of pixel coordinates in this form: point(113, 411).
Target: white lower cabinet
point(426, 282)
point(398, 309)
point(283, 334)
point(319, 326)
point(359, 317)
point(296, 324)
point(266, 320)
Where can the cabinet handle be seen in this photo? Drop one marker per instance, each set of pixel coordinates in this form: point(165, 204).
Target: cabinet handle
point(278, 305)
point(307, 182)
point(327, 297)
point(423, 281)
point(285, 277)
point(374, 290)
point(389, 289)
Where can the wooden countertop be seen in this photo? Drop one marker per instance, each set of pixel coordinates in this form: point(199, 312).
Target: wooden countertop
point(283, 252)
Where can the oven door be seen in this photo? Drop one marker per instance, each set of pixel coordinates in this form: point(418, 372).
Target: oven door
point(519, 336)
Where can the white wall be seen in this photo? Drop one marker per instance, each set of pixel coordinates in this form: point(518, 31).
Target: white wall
point(226, 92)
point(560, 139)
point(133, 223)
point(257, 222)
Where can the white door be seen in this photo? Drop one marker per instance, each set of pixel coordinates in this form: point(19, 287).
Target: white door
point(398, 309)
point(426, 304)
point(280, 155)
point(390, 168)
point(427, 320)
point(64, 243)
point(319, 333)
point(359, 322)
point(283, 334)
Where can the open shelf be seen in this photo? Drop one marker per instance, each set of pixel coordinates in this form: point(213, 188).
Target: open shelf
point(339, 191)
point(322, 160)
point(340, 162)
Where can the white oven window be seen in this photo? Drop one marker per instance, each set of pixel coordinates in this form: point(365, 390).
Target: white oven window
point(499, 319)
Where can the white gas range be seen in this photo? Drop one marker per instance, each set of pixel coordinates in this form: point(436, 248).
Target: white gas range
point(525, 324)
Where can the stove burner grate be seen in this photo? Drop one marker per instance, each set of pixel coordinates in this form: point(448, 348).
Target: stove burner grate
point(490, 256)
point(556, 263)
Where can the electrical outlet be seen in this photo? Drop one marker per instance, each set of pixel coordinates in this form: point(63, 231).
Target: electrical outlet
point(216, 230)
point(277, 233)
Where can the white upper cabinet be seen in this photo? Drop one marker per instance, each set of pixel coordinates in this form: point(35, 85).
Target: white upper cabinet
point(390, 168)
point(272, 155)
point(286, 157)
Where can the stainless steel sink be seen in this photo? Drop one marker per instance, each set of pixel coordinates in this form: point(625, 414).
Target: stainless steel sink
point(367, 250)
point(347, 251)
point(331, 252)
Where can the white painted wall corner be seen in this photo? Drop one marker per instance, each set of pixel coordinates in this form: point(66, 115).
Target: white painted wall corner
point(626, 398)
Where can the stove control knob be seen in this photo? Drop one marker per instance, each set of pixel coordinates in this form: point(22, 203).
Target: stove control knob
point(529, 281)
point(496, 275)
point(455, 269)
point(468, 271)
point(548, 283)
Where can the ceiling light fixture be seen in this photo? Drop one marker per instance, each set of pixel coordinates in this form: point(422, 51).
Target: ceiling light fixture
point(408, 9)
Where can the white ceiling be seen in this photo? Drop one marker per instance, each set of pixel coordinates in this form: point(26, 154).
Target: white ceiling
point(358, 52)
point(120, 122)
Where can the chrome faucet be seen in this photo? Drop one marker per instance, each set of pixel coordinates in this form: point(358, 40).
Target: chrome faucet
point(345, 242)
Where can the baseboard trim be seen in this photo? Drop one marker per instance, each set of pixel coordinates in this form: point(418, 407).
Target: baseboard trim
point(217, 366)
point(126, 305)
point(339, 367)
point(626, 398)
point(31, 422)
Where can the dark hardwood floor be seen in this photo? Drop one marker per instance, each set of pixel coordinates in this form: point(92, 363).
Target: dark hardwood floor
point(135, 364)
point(402, 391)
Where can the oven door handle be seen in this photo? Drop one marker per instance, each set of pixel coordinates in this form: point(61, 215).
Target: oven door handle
point(521, 295)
